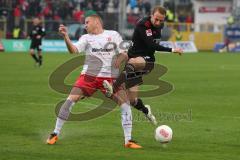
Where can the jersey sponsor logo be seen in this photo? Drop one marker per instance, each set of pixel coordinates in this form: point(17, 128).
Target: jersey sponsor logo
point(149, 32)
point(146, 57)
point(109, 39)
point(102, 49)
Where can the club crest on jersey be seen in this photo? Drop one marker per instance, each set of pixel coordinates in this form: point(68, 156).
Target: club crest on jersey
point(149, 32)
point(109, 39)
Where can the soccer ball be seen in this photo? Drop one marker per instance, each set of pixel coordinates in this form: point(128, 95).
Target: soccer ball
point(163, 134)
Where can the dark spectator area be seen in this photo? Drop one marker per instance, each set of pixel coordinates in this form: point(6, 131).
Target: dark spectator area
point(18, 14)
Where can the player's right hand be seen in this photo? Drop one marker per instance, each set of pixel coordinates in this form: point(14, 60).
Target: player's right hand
point(62, 30)
point(179, 51)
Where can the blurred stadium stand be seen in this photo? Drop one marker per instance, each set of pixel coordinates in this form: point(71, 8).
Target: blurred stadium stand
point(118, 15)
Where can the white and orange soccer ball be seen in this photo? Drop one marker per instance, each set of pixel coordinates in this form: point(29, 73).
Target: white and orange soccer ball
point(163, 134)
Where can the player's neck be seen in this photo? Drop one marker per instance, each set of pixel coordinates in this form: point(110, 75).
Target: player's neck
point(98, 31)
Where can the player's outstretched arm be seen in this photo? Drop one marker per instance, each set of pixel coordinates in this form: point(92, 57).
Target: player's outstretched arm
point(147, 36)
point(63, 31)
point(149, 41)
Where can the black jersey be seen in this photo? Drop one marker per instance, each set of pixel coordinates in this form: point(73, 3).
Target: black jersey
point(37, 30)
point(144, 40)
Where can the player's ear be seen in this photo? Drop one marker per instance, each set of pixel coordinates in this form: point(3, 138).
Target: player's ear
point(162, 25)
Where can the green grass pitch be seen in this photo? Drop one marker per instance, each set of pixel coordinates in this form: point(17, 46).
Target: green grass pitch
point(203, 111)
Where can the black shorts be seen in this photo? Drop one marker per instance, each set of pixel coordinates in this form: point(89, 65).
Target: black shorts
point(137, 79)
point(149, 64)
point(35, 45)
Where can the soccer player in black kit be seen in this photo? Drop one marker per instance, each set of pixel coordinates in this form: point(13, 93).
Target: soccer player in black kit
point(141, 59)
point(36, 35)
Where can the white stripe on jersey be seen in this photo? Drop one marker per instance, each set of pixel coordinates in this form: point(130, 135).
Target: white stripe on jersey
point(99, 58)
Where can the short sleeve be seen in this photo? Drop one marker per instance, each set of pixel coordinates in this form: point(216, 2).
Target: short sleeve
point(119, 42)
point(81, 44)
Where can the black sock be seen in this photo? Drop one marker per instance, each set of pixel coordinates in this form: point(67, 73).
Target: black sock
point(140, 106)
point(128, 70)
point(35, 58)
point(40, 59)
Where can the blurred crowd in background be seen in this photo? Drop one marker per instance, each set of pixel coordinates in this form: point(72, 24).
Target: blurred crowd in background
point(17, 11)
point(66, 9)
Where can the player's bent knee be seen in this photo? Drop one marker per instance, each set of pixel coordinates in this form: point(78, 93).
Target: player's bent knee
point(138, 62)
point(132, 61)
point(76, 94)
point(120, 97)
point(119, 100)
point(74, 98)
point(132, 101)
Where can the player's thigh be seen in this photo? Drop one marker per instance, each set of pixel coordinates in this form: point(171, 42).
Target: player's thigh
point(76, 94)
point(39, 49)
point(87, 84)
point(138, 62)
point(31, 51)
point(132, 93)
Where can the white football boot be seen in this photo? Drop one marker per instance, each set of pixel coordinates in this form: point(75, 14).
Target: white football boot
point(150, 116)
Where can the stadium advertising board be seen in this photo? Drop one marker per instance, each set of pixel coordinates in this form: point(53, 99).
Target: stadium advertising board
point(16, 45)
point(187, 46)
point(60, 46)
point(233, 47)
point(232, 33)
point(23, 45)
point(54, 46)
point(168, 44)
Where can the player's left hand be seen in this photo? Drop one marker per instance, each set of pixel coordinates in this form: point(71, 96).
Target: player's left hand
point(179, 51)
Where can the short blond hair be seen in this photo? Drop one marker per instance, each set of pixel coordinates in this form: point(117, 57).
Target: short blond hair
point(159, 9)
point(95, 16)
